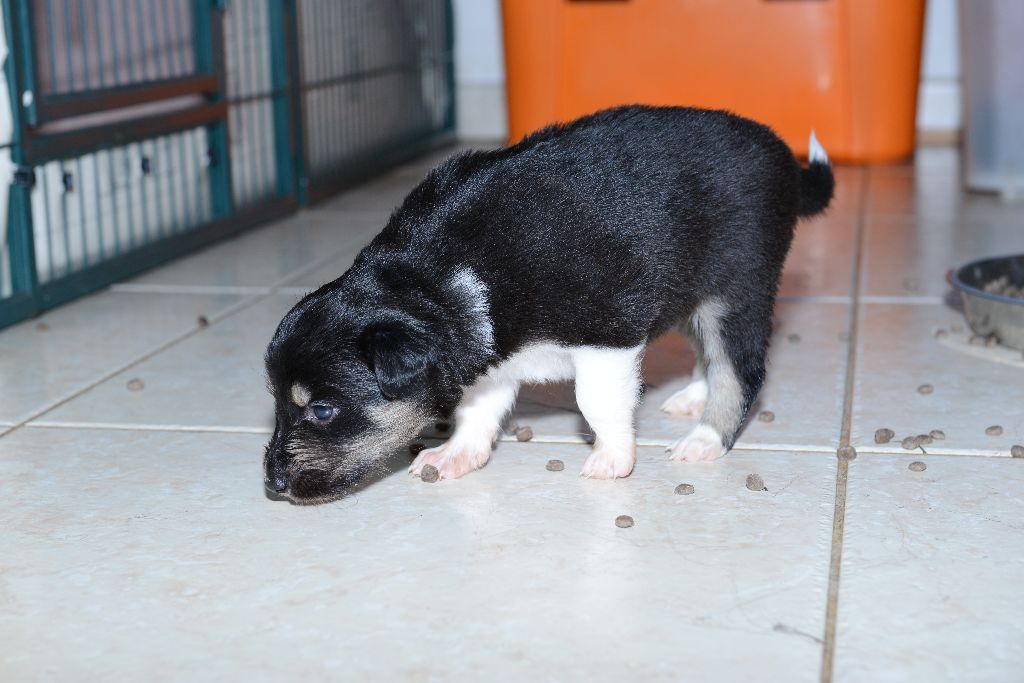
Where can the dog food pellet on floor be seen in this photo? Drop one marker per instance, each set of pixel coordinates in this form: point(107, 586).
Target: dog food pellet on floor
point(937, 434)
point(994, 430)
point(755, 482)
point(429, 474)
point(136, 384)
point(202, 321)
point(925, 389)
point(847, 453)
point(766, 416)
point(684, 489)
point(623, 521)
point(917, 466)
point(884, 435)
point(910, 443)
point(415, 448)
point(524, 433)
point(941, 333)
point(1017, 451)
point(555, 465)
point(924, 439)
point(794, 338)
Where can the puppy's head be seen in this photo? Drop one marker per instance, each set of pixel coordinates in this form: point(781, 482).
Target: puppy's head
point(350, 387)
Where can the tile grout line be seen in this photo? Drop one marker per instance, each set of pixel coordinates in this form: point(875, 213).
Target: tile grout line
point(842, 463)
point(160, 348)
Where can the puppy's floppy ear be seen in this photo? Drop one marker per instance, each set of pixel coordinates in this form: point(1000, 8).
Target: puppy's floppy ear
point(399, 355)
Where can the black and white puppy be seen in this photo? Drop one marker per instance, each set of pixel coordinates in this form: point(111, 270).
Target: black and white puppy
point(559, 257)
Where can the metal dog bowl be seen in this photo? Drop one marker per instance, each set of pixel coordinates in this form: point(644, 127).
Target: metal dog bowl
point(988, 313)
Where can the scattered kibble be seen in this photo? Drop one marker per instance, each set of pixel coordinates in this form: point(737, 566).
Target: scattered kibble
point(203, 321)
point(847, 453)
point(910, 443)
point(555, 466)
point(136, 384)
point(884, 435)
point(429, 474)
point(755, 482)
point(442, 426)
point(684, 489)
point(623, 521)
point(924, 439)
point(766, 416)
point(917, 466)
point(994, 430)
point(415, 448)
point(524, 433)
point(925, 389)
point(793, 338)
point(1017, 451)
point(937, 434)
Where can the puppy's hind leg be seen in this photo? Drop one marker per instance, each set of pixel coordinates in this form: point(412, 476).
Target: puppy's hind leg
point(477, 423)
point(691, 399)
point(735, 344)
point(607, 387)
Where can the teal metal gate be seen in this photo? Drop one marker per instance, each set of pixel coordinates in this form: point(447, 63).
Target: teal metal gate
point(140, 129)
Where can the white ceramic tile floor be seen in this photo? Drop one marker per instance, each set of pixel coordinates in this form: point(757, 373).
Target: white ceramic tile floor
point(139, 548)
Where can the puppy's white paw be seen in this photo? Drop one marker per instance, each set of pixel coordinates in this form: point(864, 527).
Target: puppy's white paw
point(702, 444)
point(688, 401)
point(605, 462)
point(452, 460)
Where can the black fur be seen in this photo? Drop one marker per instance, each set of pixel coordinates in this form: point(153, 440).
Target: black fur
point(606, 231)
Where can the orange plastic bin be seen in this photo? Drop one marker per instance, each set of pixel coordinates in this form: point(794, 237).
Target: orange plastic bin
point(847, 68)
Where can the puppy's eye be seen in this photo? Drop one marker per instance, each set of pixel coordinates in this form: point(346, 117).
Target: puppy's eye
point(322, 412)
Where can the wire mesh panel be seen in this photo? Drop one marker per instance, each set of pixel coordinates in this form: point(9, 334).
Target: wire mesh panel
point(258, 99)
point(85, 45)
point(374, 75)
point(103, 205)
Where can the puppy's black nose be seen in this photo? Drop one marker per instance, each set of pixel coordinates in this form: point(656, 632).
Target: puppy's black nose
point(279, 484)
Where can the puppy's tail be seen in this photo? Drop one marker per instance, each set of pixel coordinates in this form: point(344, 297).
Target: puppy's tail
point(816, 181)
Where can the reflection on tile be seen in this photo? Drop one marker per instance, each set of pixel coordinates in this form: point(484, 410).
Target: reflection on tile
point(213, 379)
point(804, 387)
point(166, 554)
point(47, 358)
point(267, 255)
point(931, 569)
point(898, 352)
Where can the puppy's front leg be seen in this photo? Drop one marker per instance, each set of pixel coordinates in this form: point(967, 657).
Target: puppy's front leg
point(607, 386)
point(477, 422)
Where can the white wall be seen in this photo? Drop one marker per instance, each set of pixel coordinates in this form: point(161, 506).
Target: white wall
point(480, 75)
point(479, 70)
point(939, 102)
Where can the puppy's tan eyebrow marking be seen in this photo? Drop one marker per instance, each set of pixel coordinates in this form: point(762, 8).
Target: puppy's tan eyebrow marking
point(300, 395)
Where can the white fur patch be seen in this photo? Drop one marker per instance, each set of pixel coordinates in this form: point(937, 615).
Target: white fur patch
point(300, 395)
point(817, 153)
point(475, 294)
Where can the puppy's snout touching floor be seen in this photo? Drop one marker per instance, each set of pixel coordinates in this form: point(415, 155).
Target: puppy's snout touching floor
point(277, 484)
